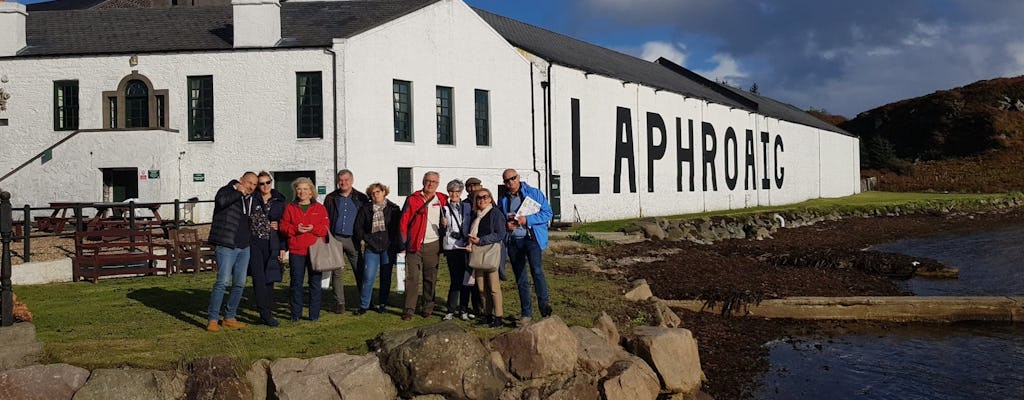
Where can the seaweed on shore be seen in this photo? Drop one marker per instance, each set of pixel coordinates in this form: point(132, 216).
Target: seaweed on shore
point(730, 300)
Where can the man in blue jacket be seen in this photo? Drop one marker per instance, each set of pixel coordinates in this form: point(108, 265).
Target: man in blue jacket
point(527, 238)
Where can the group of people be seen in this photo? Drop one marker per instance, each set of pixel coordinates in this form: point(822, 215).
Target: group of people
point(254, 228)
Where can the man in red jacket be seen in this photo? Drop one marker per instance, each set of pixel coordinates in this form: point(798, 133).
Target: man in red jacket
point(420, 226)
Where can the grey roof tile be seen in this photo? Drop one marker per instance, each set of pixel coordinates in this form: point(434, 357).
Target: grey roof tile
point(139, 30)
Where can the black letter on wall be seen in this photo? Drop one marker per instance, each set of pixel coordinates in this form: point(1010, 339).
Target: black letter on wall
point(654, 121)
point(683, 154)
point(765, 182)
point(730, 179)
point(779, 172)
point(624, 149)
point(580, 184)
point(750, 169)
point(709, 155)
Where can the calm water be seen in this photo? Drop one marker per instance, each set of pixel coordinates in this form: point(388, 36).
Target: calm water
point(942, 361)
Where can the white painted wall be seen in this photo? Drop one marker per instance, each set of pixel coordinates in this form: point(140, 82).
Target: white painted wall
point(254, 122)
point(445, 44)
point(813, 163)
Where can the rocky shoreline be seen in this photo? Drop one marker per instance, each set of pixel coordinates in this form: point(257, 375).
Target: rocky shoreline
point(823, 258)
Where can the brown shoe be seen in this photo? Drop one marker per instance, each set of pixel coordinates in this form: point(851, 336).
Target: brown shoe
point(407, 316)
point(212, 326)
point(339, 309)
point(233, 323)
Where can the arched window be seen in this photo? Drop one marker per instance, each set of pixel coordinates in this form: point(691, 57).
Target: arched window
point(135, 104)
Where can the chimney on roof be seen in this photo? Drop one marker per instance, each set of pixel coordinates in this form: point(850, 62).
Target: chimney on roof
point(12, 28)
point(257, 22)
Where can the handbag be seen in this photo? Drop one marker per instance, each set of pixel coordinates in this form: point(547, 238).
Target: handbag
point(486, 257)
point(326, 256)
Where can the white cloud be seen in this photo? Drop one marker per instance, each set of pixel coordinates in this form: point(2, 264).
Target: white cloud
point(728, 69)
point(676, 53)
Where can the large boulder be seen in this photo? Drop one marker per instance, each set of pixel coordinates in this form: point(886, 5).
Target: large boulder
point(259, 379)
point(595, 353)
point(353, 377)
point(605, 327)
point(653, 231)
point(42, 382)
point(215, 378)
point(630, 379)
point(673, 355)
point(133, 384)
point(639, 290)
point(579, 387)
point(439, 359)
point(20, 347)
point(664, 315)
point(538, 350)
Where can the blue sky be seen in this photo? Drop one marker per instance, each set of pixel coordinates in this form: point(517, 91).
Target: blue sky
point(840, 55)
point(843, 56)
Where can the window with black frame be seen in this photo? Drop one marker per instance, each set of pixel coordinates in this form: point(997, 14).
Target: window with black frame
point(200, 108)
point(310, 106)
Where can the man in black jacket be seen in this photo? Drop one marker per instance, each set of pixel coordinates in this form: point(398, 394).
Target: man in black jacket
point(342, 207)
point(231, 233)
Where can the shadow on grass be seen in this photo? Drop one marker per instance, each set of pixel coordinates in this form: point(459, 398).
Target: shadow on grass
point(187, 305)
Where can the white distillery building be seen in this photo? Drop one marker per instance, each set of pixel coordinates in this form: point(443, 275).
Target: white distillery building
point(162, 102)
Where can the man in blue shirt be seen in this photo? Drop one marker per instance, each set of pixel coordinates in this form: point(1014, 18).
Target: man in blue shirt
point(342, 206)
point(528, 236)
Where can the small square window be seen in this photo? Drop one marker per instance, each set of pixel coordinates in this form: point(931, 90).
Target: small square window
point(404, 181)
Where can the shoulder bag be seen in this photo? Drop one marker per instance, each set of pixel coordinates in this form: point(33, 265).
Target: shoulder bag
point(485, 258)
point(325, 255)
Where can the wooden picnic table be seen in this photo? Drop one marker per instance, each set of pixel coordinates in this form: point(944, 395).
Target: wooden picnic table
point(56, 222)
point(116, 216)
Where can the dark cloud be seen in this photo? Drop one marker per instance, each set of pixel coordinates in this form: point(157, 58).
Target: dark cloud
point(846, 56)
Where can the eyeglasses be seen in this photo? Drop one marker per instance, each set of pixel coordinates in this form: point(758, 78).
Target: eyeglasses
point(478, 198)
point(510, 179)
point(265, 183)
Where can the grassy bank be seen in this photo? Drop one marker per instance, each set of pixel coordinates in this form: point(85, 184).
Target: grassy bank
point(158, 322)
point(857, 202)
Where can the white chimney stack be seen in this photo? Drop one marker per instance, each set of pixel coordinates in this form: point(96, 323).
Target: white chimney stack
point(257, 22)
point(12, 28)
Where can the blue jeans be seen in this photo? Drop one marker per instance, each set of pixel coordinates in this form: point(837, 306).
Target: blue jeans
point(373, 262)
point(521, 251)
point(232, 264)
point(299, 265)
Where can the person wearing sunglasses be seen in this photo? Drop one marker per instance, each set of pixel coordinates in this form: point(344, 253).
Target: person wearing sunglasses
point(486, 228)
point(265, 249)
point(527, 238)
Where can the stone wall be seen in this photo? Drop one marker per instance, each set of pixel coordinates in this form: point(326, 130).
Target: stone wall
point(543, 360)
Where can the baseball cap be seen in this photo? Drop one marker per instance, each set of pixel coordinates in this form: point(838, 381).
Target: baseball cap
point(473, 181)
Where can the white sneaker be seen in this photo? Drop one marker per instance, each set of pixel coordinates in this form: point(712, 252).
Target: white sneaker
point(448, 316)
point(466, 317)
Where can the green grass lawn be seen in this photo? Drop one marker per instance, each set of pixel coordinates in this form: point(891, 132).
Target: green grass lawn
point(849, 203)
point(159, 322)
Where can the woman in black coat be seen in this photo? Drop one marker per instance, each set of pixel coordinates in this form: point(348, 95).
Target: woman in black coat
point(265, 246)
point(377, 228)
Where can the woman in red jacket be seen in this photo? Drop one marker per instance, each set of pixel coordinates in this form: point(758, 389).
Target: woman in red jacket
point(304, 222)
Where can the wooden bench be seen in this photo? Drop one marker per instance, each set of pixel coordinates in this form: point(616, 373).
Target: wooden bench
point(117, 252)
point(190, 252)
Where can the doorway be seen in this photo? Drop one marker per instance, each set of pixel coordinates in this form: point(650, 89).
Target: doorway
point(120, 184)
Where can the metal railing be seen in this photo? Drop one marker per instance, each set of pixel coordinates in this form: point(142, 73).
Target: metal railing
point(81, 223)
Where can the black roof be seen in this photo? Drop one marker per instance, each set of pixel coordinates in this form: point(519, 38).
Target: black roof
point(63, 5)
point(587, 57)
point(764, 105)
point(664, 74)
point(134, 30)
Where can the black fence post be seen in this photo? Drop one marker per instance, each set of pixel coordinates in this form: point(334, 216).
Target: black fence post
point(6, 293)
point(78, 219)
point(25, 242)
point(177, 214)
